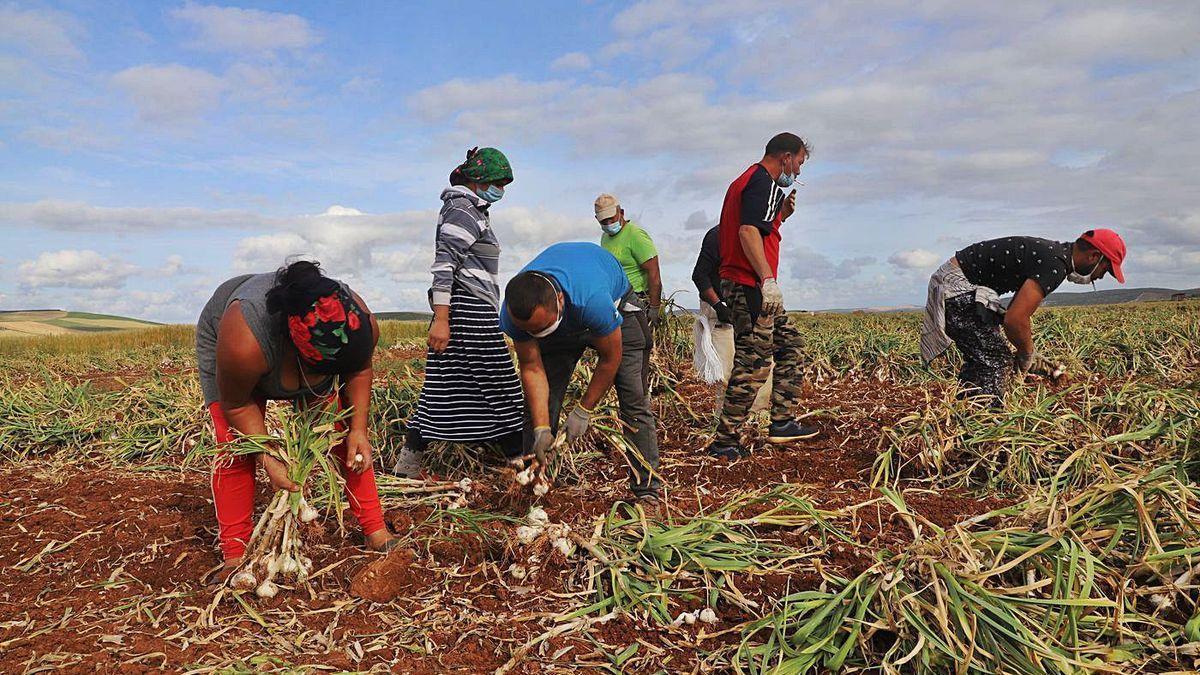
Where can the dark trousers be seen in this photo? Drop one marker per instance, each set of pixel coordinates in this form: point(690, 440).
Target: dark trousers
point(560, 354)
point(987, 359)
point(757, 342)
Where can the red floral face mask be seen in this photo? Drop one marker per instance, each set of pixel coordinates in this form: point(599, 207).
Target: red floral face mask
point(330, 325)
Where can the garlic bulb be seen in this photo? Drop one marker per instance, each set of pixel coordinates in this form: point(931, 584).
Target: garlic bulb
point(244, 580)
point(526, 534)
point(308, 514)
point(565, 547)
point(707, 615)
point(266, 589)
point(541, 488)
point(538, 517)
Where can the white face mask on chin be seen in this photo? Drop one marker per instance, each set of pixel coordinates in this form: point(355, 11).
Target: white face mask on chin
point(1084, 279)
point(549, 330)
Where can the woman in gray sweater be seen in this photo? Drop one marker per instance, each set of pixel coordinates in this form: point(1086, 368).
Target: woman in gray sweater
point(471, 392)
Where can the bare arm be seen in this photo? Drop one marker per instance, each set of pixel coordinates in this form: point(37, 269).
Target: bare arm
point(356, 394)
point(533, 381)
point(608, 348)
point(653, 282)
point(752, 245)
point(357, 389)
point(240, 365)
point(710, 296)
point(1017, 324)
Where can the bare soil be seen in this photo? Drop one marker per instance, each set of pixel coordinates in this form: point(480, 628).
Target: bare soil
point(103, 568)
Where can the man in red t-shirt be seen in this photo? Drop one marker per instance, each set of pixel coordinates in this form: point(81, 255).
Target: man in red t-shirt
point(754, 208)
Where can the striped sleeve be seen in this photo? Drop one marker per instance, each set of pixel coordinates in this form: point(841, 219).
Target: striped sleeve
point(457, 231)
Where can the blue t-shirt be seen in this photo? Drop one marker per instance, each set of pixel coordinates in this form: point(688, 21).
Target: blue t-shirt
point(592, 283)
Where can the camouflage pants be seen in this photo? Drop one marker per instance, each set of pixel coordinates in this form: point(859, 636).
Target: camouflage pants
point(987, 359)
point(756, 343)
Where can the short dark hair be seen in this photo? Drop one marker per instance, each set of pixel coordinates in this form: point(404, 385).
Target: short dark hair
point(527, 291)
point(1083, 244)
point(786, 142)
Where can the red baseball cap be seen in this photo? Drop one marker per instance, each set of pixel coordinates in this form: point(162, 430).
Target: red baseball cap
point(1111, 245)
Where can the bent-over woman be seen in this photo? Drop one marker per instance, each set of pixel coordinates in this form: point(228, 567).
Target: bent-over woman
point(292, 335)
point(471, 392)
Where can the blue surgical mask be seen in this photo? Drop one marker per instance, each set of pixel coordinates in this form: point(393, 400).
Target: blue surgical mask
point(613, 228)
point(492, 194)
point(785, 180)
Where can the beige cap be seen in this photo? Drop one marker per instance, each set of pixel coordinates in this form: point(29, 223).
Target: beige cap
point(606, 206)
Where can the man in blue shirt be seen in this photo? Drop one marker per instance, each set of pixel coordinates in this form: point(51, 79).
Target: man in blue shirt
point(570, 297)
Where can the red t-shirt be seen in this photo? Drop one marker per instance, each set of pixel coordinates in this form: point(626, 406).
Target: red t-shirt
point(752, 199)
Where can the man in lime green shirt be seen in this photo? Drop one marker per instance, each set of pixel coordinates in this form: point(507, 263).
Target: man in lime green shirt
point(634, 249)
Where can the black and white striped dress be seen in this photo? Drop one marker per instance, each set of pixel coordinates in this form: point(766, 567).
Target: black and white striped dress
point(472, 391)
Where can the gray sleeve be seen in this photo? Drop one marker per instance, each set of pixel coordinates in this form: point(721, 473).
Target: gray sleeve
point(457, 231)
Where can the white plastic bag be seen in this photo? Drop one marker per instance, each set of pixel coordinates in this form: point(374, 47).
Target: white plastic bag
point(705, 358)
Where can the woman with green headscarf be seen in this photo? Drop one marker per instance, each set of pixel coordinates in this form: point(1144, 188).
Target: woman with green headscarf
point(471, 393)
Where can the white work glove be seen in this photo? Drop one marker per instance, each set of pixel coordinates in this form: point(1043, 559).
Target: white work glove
point(542, 441)
point(577, 423)
point(772, 297)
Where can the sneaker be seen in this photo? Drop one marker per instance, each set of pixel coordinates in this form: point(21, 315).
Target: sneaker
point(651, 503)
point(729, 452)
point(790, 431)
point(408, 462)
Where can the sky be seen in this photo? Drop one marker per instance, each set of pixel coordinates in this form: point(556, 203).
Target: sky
point(149, 151)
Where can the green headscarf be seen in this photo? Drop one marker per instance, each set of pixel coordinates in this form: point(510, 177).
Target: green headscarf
point(486, 165)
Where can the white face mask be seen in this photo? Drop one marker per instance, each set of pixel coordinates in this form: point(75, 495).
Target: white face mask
point(1084, 279)
point(548, 330)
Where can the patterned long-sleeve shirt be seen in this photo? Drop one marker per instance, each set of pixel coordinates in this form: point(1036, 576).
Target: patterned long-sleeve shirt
point(467, 253)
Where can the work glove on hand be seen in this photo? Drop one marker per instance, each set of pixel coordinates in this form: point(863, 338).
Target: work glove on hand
point(724, 314)
point(656, 315)
point(542, 440)
point(772, 297)
point(1023, 362)
point(577, 423)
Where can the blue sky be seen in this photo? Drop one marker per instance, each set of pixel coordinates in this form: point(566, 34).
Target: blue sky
point(150, 150)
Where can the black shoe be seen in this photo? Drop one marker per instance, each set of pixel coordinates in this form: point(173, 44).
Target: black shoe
point(790, 431)
point(729, 452)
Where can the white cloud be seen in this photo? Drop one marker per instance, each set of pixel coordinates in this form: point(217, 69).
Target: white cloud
point(41, 32)
point(75, 269)
point(572, 61)
point(239, 30)
point(345, 240)
point(916, 259)
point(172, 266)
point(81, 217)
point(170, 94)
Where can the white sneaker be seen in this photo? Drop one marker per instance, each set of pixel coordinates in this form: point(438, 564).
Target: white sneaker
point(408, 463)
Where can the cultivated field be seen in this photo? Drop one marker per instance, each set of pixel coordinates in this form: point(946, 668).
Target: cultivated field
point(59, 322)
point(917, 534)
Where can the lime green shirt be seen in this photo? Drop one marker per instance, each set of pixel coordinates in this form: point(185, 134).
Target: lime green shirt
point(632, 247)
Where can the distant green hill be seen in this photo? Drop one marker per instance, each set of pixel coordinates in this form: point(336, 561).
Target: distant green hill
point(403, 316)
point(61, 322)
point(1114, 296)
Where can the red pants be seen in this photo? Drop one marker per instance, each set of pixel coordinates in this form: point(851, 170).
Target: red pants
point(233, 490)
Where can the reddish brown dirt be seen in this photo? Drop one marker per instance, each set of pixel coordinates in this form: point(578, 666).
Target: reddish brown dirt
point(386, 578)
point(127, 597)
